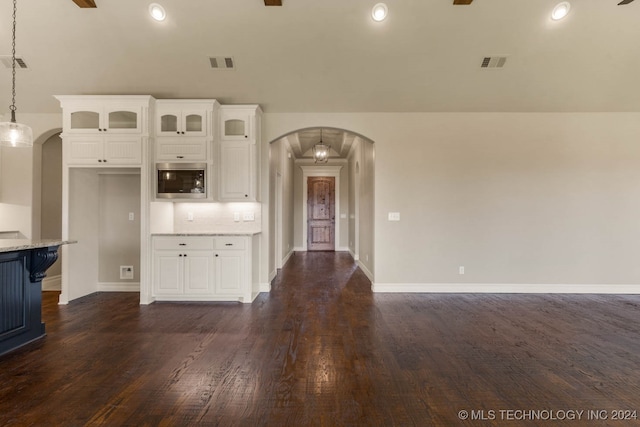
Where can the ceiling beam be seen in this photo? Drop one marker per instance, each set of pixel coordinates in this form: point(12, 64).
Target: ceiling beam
point(273, 2)
point(85, 3)
point(462, 1)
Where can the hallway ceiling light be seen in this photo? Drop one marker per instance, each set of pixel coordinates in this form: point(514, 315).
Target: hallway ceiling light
point(379, 12)
point(321, 151)
point(560, 11)
point(15, 134)
point(157, 12)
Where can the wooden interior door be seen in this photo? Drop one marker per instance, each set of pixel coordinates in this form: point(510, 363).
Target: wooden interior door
point(321, 213)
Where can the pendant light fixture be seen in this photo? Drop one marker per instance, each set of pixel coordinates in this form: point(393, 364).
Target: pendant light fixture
point(321, 151)
point(13, 134)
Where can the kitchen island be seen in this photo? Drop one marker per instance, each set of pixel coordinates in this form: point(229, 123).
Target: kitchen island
point(23, 265)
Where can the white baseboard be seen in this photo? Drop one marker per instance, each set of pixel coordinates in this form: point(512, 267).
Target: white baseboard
point(118, 287)
point(504, 288)
point(265, 287)
point(273, 275)
point(287, 257)
point(343, 249)
point(366, 272)
point(53, 283)
point(299, 249)
point(353, 255)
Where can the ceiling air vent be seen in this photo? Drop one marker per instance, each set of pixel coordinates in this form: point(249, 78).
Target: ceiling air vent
point(493, 61)
point(222, 62)
point(6, 61)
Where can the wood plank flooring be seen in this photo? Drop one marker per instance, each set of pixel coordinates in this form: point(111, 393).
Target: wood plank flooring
point(322, 350)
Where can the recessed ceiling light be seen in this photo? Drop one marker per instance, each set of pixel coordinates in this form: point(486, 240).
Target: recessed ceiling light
point(379, 12)
point(157, 12)
point(560, 11)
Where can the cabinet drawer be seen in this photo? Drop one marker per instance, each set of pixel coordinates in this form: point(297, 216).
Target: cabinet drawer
point(183, 243)
point(230, 243)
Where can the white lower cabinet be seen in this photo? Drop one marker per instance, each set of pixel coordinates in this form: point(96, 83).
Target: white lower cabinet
point(202, 268)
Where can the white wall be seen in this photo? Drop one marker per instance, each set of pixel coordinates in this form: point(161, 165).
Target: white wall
point(119, 237)
point(282, 165)
point(20, 180)
point(530, 199)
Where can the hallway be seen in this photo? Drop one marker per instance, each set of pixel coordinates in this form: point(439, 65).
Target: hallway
point(321, 349)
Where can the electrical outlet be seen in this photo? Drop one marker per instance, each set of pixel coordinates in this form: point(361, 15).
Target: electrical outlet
point(394, 216)
point(461, 269)
point(131, 216)
point(248, 216)
point(126, 272)
point(189, 216)
point(236, 216)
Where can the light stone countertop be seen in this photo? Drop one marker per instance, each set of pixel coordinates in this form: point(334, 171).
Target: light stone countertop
point(211, 233)
point(12, 245)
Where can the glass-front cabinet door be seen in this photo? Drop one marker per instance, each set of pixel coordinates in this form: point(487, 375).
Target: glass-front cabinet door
point(177, 122)
point(104, 120)
point(236, 124)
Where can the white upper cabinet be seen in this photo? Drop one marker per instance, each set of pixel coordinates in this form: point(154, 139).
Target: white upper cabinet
point(185, 117)
point(239, 153)
point(105, 114)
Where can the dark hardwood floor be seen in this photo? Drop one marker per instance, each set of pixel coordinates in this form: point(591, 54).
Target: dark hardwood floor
point(322, 350)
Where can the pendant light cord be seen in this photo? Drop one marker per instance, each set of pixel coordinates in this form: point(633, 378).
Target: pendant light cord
point(13, 66)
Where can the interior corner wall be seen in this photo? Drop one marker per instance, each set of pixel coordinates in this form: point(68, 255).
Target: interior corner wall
point(119, 237)
point(84, 211)
point(280, 163)
point(533, 200)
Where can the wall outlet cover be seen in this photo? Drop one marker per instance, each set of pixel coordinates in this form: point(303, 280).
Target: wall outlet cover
point(126, 272)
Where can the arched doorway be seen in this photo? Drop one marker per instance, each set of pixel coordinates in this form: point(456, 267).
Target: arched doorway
point(351, 162)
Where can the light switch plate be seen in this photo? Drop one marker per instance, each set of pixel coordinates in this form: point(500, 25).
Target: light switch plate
point(248, 216)
point(394, 216)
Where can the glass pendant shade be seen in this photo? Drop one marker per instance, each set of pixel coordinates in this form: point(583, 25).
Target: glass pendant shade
point(321, 153)
point(14, 134)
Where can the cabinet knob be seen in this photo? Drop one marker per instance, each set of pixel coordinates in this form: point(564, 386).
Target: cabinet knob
point(180, 255)
point(182, 244)
point(99, 130)
point(178, 132)
point(216, 255)
point(183, 132)
point(185, 255)
point(246, 195)
point(246, 136)
point(105, 160)
point(99, 161)
point(180, 157)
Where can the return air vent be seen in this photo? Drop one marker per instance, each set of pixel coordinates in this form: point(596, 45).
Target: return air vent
point(6, 61)
point(493, 62)
point(222, 62)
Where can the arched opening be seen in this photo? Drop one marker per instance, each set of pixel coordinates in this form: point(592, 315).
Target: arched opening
point(350, 165)
point(51, 203)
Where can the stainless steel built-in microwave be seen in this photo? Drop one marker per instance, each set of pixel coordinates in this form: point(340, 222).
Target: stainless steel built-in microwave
point(181, 180)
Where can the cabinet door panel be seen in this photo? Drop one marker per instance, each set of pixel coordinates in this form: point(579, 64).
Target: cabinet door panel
point(84, 121)
point(124, 121)
point(229, 273)
point(198, 273)
point(235, 171)
point(176, 149)
point(169, 273)
point(123, 150)
point(86, 150)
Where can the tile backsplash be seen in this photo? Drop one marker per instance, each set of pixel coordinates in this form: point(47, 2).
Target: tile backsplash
point(216, 217)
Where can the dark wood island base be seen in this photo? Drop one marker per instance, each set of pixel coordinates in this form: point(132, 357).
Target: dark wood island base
point(23, 265)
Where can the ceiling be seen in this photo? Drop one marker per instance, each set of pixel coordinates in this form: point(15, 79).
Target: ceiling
point(330, 56)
